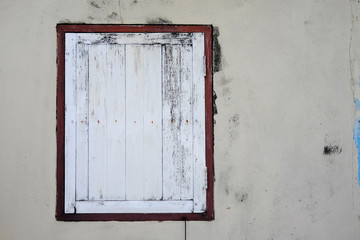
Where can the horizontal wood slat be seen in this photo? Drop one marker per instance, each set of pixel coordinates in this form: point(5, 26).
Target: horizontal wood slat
point(134, 206)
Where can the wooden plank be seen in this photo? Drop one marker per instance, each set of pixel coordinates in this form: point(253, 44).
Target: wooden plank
point(134, 38)
point(186, 123)
point(82, 116)
point(152, 123)
point(134, 122)
point(115, 123)
point(172, 154)
point(98, 74)
point(134, 206)
point(199, 123)
point(70, 121)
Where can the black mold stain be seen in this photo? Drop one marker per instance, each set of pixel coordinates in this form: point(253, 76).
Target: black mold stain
point(94, 4)
point(215, 111)
point(216, 50)
point(241, 197)
point(332, 149)
point(159, 20)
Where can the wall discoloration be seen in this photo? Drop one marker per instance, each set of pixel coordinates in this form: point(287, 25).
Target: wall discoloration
point(332, 149)
point(241, 197)
point(216, 50)
point(96, 4)
point(159, 20)
point(234, 123)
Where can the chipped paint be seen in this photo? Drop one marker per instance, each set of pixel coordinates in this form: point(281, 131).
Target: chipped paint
point(357, 143)
point(357, 104)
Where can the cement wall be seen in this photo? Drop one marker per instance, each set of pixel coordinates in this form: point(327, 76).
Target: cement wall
point(287, 85)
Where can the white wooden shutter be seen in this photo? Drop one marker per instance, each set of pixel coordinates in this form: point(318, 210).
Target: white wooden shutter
point(134, 123)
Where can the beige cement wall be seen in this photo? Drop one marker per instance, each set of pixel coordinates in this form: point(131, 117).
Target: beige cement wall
point(285, 91)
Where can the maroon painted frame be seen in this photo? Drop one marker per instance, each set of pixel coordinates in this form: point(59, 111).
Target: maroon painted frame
point(60, 129)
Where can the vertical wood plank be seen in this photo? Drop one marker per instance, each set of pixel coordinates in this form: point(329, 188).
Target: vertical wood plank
point(134, 122)
point(199, 123)
point(115, 122)
point(98, 75)
point(70, 121)
point(152, 123)
point(186, 122)
point(82, 134)
point(172, 154)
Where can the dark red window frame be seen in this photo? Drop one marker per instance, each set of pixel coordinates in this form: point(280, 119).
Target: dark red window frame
point(60, 173)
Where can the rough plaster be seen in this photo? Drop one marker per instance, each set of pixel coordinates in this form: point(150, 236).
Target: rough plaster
point(285, 157)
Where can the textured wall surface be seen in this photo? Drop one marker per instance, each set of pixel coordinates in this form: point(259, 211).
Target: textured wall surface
point(286, 134)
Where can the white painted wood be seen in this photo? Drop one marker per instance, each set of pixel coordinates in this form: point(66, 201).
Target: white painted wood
point(134, 122)
point(186, 124)
point(82, 120)
point(134, 206)
point(199, 123)
point(115, 122)
point(135, 38)
point(152, 123)
point(98, 75)
point(70, 121)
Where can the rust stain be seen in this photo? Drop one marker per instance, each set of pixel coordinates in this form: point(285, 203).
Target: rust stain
point(134, 121)
point(152, 122)
point(82, 121)
point(187, 121)
point(172, 120)
point(98, 122)
point(116, 121)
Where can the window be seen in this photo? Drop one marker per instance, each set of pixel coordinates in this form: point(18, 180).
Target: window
point(134, 123)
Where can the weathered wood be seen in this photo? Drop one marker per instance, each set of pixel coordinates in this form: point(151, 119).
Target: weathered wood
point(134, 122)
point(98, 75)
point(199, 123)
point(115, 122)
point(82, 123)
point(68, 168)
point(152, 122)
point(177, 148)
point(134, 38)
point(186, 122)
point(134, 206)
point(70, 121)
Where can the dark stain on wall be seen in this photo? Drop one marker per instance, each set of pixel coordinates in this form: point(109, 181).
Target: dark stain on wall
point(332, 149)
point(112, 16)
point(94, 4)
point(215, 111)
point(241, 197)
point(234, 122)
point(216, 50)
point(159, 20)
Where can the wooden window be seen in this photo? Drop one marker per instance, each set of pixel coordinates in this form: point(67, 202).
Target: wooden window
point(134, 123)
